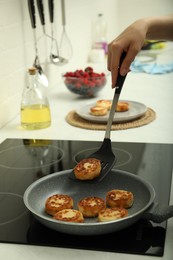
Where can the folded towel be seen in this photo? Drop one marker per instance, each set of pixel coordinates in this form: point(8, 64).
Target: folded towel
point(151, 68)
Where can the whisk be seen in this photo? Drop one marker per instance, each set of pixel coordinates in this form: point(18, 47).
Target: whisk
point(65, 48)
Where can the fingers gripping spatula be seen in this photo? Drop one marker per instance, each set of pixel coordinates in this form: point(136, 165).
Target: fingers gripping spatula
point(105, 153)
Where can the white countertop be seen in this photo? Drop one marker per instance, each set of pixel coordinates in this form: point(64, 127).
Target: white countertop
point(155, 92)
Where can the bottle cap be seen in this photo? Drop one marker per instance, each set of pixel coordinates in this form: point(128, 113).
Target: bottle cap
point(32, 71)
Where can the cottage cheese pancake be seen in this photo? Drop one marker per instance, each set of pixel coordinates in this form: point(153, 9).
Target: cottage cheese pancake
point(98, 111)
point(119, 198)
point(110, 214)
point(87, 169)
point(122, 106)
point(58, 202)
point(91, 206)
point(69, 215)
point(104, 103)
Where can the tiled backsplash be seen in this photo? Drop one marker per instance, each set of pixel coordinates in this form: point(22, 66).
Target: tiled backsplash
point(17, 46)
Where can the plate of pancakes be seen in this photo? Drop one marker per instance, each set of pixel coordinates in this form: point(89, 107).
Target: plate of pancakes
point(126, 110)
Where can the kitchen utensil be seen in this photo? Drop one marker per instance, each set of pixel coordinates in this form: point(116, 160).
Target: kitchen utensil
point(65, 48)
point(143, 207)
point(105, 154)
point(55, 58)
point(41, 75)
point(40, 7)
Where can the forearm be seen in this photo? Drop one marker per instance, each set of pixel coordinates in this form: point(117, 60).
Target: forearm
point(159, 28)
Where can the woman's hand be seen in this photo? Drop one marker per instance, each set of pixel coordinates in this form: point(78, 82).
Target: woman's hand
point(131, 41)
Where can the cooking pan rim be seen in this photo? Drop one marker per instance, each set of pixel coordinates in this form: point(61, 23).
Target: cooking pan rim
point(53, 221)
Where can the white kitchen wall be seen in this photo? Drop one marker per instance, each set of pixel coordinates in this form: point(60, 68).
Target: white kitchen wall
point(17, 46)
point(131, 10)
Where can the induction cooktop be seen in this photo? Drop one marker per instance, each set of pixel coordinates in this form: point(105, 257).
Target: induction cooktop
point(23, 161)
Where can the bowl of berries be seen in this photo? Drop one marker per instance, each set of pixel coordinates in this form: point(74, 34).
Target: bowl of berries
point(85, 82)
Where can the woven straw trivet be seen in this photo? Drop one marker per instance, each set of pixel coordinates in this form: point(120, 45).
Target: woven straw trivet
point(73, 119)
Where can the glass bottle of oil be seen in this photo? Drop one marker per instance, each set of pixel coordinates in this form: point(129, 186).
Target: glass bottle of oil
point(35, 109)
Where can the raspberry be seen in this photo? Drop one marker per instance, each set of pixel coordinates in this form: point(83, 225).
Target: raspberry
point(89, 69)
point(85, 75)
point(85, 81)
point(91, 84)
point(98, 82)
point(78, 85)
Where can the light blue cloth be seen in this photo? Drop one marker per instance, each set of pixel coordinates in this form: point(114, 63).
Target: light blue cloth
point(151, 68)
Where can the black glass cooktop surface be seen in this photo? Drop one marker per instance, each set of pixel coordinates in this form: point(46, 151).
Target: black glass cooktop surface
point(24, 161)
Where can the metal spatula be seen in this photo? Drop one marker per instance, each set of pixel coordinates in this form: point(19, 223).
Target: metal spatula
point(105, 153)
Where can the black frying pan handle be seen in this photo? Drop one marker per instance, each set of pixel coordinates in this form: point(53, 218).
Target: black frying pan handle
point(31, 8)
point(159, 213)
point(120, 79)
point(51, 10)
point(41, 11)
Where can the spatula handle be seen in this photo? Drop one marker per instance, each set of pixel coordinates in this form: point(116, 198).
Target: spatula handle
point(118, 88)
point(120, 79)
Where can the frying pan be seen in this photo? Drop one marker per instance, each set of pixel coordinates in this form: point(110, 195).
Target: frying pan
point(60, 182)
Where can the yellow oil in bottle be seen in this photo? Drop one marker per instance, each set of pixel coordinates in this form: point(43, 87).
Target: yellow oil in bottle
point(35, 117)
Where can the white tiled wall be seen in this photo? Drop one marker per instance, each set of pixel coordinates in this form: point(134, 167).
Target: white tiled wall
point(16, 39)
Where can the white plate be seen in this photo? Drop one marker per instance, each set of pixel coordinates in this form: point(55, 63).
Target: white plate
point(136, 110)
